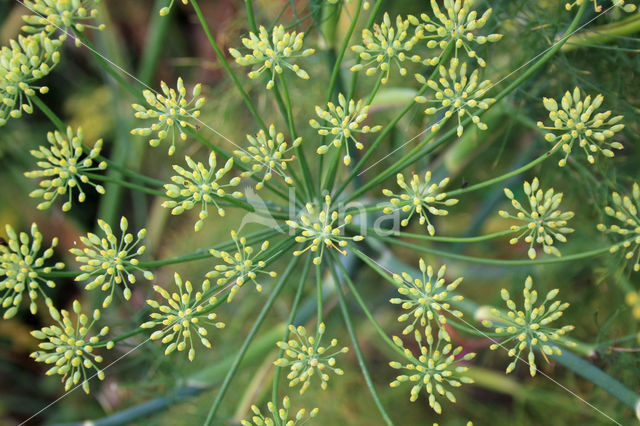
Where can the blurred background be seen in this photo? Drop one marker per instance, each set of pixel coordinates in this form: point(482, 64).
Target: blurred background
point(148, 388)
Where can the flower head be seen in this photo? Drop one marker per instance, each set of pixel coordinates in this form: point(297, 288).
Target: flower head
point(625, 211)
point(240, 267)
point(576, 119)
point(419, 197)
point(22, 64)
point(343, 122)
point(64, 15)
point(317, 227)
point(386, 45)
point(437, 369)
point(64, 169)
point(70, 346)
point(616, 3)
point(529, 328)
point(184, 317)
point(457, 94)
point(172, 111)
point(543, 223)
point(200, 185)
point(306, 357)
point(279, 416)
point(457, 26)
point(268, 155)
point(21, 265)
point(273, 53)
point(425, 299)
point(109, 261)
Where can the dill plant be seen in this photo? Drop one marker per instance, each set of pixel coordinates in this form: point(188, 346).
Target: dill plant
point(298, 175)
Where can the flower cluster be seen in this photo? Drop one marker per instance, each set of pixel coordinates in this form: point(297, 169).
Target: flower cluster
point(457, 27)
point(200, 185)
point(544, 224)
point(70, 346)
point(419, 197)
point(625, 210)
point(63, 169)
point(317, 226)
point(386, 45)
point(343, 120)
point(616, 3)
point(240, 267)
point(425, 299)
point(632, 299)
point(184, 317)
point(109, 261)
point(576, 119)
point(306, 357)
point(437, 368)
point(172, 111)
point(457, 94)
point(529, 328)
point(268, 155)
point(273, 53)
point(21, 265)
point(279, 416)
point(60, 15)
point(22, 63)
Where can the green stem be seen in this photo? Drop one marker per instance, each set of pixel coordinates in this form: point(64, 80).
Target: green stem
point(358, 351)
point(292, 316)
point(126, 184)
point(319, 293)
point(604, 33)
point(248, 5)
point(256, 326)
point(423, 237)
point(345, 44)
point(487, 261)
point(225, 64)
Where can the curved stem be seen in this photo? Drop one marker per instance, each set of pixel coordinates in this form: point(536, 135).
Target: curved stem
point(256, 326)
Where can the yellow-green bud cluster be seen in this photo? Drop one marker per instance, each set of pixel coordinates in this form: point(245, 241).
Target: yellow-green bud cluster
point(625, 210)
point(279, 416)
point(632, 299)
point(576, 119)
point(60, 15)
point(530, 328)
point(109, 261)
point(272, 53)
point(616, 3)
point(172, 111)
point(240, 267)
point(63, 169)
point(544, 223)
point(268, 155)
point(69, 345)
point(436, 370)
point(21, 265)
point(317, 228)
point(387, 45)
point(200, 185)
point(165, 10)
point(426, 300)
point(22, 63)
point(419, 197)
point(343, 121)
point(457, 26)
point(305, 357)
point(184, 317)
point(457, 94)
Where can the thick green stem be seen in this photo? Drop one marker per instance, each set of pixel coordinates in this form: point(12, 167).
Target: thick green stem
point(256, 326)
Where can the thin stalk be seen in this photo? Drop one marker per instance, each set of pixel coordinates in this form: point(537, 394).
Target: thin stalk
point(292, 316)
point(125, 184)
point(319, 294)
point(248, 5)
point(256, 326)
point(487, 261)
point(358, 351)
point(423, 237)
point(225, 64)
point(345, 44)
